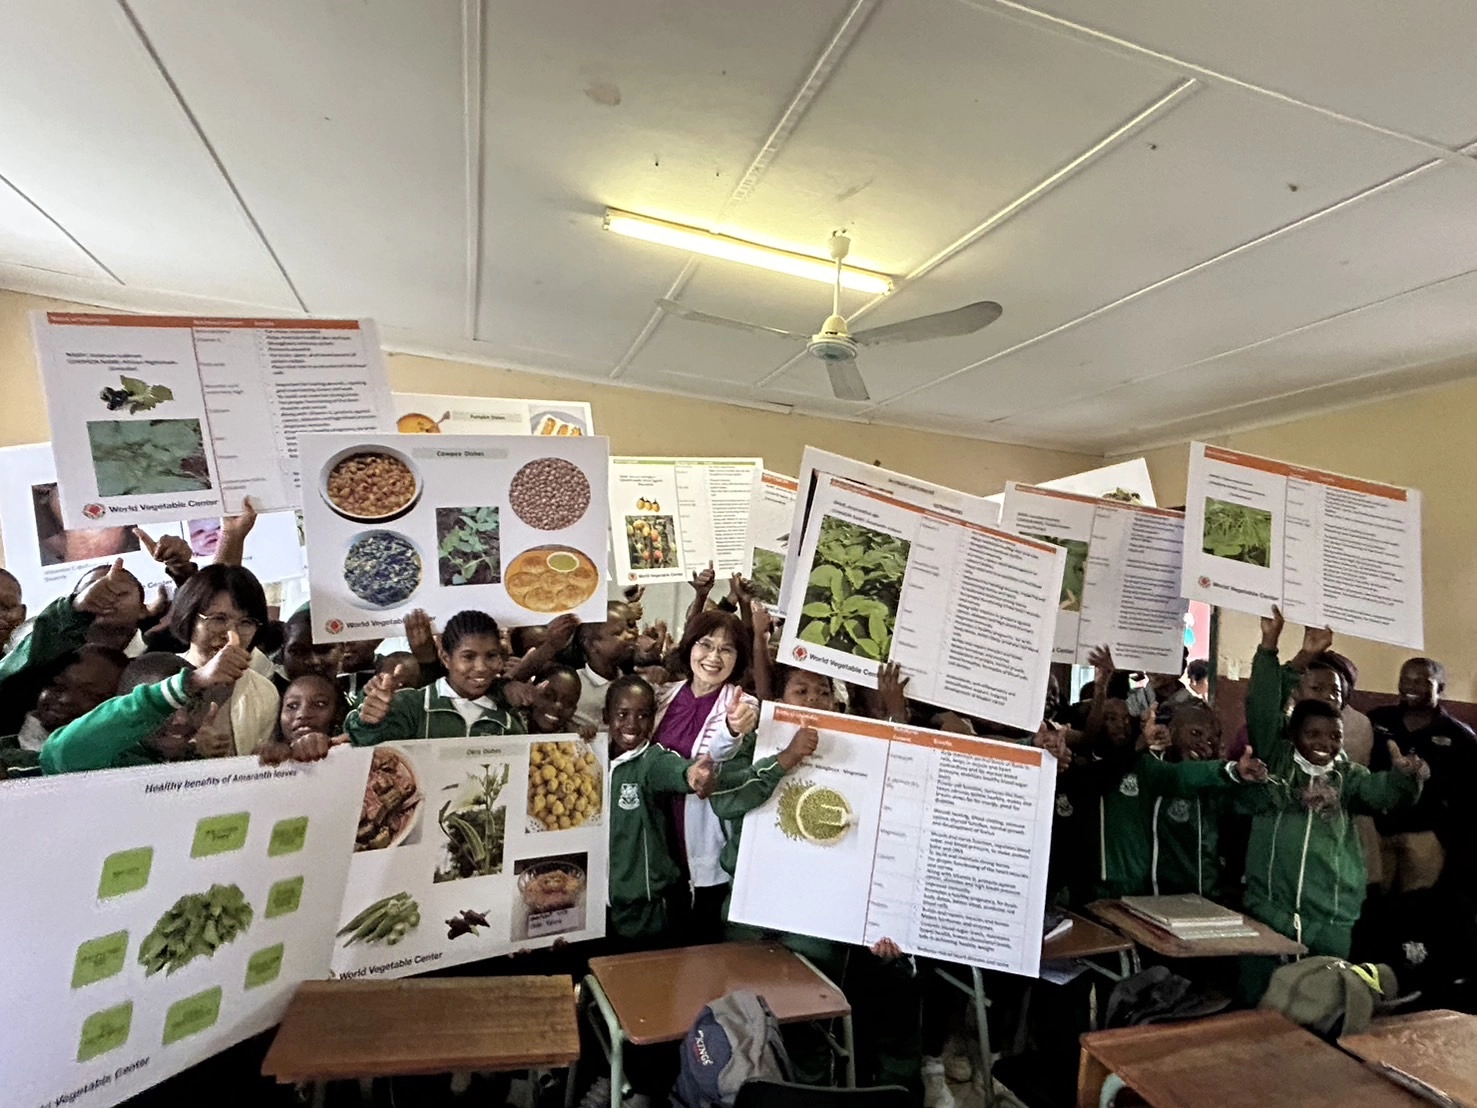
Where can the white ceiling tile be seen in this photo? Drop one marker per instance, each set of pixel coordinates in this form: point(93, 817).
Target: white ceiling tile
point(1403, 66)
point(28, 238)
point(90, 132)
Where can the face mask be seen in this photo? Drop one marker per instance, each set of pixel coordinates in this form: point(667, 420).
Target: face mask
point(1309, 768)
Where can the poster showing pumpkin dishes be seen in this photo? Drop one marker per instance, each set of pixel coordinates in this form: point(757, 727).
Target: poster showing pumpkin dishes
point(424, 414)
point(513, 525)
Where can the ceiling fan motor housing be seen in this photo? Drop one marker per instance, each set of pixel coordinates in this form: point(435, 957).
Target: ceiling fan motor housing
point(832, 343)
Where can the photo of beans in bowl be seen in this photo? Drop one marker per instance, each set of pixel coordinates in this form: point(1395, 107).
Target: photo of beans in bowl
point(370, 485)
point(550, 494)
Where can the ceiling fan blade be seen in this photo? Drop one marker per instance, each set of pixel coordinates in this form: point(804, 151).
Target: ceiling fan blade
point(671, 307)
point(941, 325)
point(846, 381)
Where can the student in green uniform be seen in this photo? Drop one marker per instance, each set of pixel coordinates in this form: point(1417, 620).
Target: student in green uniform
point(470, 700)
point(1305, 870)
point(1185, 855)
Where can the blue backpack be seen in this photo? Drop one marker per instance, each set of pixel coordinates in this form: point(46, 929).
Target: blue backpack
point(735, 1039)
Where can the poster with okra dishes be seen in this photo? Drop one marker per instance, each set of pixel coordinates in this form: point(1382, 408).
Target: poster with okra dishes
point(161, 914)
point(471, 848)
point(512, 525)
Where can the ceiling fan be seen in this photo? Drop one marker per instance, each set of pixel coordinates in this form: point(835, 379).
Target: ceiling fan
point(836, 346)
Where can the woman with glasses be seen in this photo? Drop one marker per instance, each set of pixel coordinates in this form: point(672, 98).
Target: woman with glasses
point(707, 712)
point(215, 604)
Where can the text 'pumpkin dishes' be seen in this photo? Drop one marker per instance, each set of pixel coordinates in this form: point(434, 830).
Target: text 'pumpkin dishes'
point(551, 579)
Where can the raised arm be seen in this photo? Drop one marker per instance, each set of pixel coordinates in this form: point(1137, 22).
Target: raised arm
point(1264, 695)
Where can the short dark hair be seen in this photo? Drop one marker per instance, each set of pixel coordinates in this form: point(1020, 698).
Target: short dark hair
point(98, 571)
point(150, 669)
point(1198, 670)
point(466, 624)
point(1195, 707)
point(1310, 709)
point(1329, 665)
point(702, 625)
point(630, 682)
point(299, 623)
point(237, 582)
point(1438, 670)
point(558, 669)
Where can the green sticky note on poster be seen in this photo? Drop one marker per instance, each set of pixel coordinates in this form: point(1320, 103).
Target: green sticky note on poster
point(100, 958)
point(264, 966)
point(220, 834)
point(284, 897)
point(192, 1015)
point(127, 871)
point(288, 836)
point(104, 1031)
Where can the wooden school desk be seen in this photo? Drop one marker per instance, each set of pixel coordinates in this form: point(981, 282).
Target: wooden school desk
point(655, 997)
point(1437, 1049)
point(1240, 1060)
point(1161, 942)
point(337, 1030)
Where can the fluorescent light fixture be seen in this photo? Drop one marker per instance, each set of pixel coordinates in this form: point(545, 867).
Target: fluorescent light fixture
point(749, 253)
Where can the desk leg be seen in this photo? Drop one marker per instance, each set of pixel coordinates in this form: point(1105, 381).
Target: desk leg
point(615, 1037)
point(1091, 1074)
point(320, 1094)
point(848, 1040)
point(987, 1061)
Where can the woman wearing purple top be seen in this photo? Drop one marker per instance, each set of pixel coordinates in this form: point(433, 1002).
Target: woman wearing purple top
point(705, 713)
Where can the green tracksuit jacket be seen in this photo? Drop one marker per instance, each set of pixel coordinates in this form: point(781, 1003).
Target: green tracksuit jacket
point(643, 864)
point(1305, 872)
point(112, 733)
point(429, 714)
point(24, 672)
point(743, 785)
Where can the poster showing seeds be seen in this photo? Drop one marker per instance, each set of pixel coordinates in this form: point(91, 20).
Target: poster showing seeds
point(512, 525)
point(471, 848)
point(173, 913)
point(672, 517)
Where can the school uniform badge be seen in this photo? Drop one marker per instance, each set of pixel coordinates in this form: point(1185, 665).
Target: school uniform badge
point(1129, 786)
point(1064, 806)
point(630, 798)
point(1179, 811)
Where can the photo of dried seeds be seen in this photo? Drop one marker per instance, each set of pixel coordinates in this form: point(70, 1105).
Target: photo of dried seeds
point(382, 568)
point(550, 494)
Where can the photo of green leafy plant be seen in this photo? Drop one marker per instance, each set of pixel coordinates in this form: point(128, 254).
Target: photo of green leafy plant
point(769, 567)
point(135, 395)
point(1238, 532)
point(851, 600)
point(1075, 572)
point(132, 457)
point(468, 546)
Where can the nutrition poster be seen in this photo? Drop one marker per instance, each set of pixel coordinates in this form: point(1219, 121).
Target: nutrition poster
point(1121, 583)
point(423, 414)
point(471, 848)
point(1125, 481)
point(49, 559)
point(1332, 551)
point(168, 417)
point(770, 512)
point(968, 612)
point(672, 516)
point(936, 841)
point(512, 525)
point(161, 914)
point(817, 464)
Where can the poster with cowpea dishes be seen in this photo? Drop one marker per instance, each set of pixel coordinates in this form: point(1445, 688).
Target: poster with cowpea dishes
point(672, 517)
point(158, 418)
point(471, 848)
point(172, 913)
point(425, 414)
point(512, 525)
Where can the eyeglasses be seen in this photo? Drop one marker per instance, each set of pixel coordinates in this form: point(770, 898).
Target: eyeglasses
point(217, 623)
point(723, 650)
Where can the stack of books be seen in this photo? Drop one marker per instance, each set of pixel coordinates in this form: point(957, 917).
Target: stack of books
point(1190, 917)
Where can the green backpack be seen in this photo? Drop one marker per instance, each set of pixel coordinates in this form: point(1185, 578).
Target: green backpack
point(1330, 996)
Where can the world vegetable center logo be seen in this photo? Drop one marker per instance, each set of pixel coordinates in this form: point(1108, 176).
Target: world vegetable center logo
point(1204, 582)
point(94, 511)
point(800, 653)
point(334, 626)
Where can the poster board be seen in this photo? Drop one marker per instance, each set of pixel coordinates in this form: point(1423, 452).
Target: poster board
point(1330, 550)
point(49, 560)
point(1121, 583)
point(673, 516)
point(770, 514)
point(423, 413)
point(536, 885)
point(512, 525)
point(967, 611)
point(943, 848)
point(815, 464)
point(1123, 481)
point(111, 857)
point(158, 418)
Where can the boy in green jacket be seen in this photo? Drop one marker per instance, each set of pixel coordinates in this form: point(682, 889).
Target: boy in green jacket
point(1305, 871)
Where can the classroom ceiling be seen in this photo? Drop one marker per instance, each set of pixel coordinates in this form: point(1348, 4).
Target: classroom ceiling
point(1198, 216)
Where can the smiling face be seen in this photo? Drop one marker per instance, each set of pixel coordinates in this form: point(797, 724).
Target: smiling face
point(1320, 740)
point(630, 715)
point(804, 689)
point(1419, 686)
point(473, 665)
point(1196, 734)
point(1117, 722)
point(80, 688)
point(215, 623)
point(308, 707)
point(173, 740)
point(301, 656)
point(712, 660)
point(1321, 684)
point(553, 716)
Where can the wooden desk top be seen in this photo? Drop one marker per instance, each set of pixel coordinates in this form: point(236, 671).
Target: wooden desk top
point(657, 995)
point(1161, 942)
point(1085, 940)
point(347, 1029)
point(1241, 1060)
point(1438, 1048)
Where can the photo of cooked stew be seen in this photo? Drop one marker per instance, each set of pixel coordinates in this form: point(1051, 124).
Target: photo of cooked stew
point(392, 799)
point(370, 485)
point(551, 579)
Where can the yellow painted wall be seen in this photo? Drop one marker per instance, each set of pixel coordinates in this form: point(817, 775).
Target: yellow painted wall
point(1421, 440)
